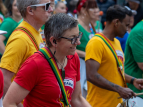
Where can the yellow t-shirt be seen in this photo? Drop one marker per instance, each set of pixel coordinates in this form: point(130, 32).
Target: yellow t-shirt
point(97, 50)
point(19, 47)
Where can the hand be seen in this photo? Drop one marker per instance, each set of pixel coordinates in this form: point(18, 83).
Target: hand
point(138, 83)
point(126, 93)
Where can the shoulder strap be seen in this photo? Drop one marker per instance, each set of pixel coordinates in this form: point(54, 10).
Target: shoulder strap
point(119, 65)
point(52, 63)
point(29, 34)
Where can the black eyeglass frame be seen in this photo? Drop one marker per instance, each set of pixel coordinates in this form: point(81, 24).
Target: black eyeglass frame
point(74, 39)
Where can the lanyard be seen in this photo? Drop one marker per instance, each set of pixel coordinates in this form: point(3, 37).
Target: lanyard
point(29, 34)
point(119, 64)
point(46, 52)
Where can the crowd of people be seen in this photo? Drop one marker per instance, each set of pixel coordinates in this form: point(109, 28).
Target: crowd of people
point(89, 55)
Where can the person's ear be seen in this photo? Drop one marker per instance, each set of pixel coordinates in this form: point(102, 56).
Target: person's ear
point(116, 22)
point(29, 10)
point(53, 41)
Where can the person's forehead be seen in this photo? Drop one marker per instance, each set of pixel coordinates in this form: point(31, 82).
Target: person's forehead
point(61, 4)
point(126, 19)
point(44, 1)
point(52, 0)
point(71, 32)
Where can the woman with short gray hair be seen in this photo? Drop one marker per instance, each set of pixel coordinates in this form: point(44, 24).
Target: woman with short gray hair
point(51, 77)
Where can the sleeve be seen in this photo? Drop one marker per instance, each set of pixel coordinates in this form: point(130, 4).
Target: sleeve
point(136, 45)
point(7, 26)
point(94, 50)
point(14, 54)
point(78, 67)
point(27, 76)
point(1, 84)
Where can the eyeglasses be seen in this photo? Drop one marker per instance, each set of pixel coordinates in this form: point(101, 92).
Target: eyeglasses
point(47, 5)
point(74, 39)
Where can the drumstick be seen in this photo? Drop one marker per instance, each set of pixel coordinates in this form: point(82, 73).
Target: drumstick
point(137, 94)
point(119, 105)
point(123, 103)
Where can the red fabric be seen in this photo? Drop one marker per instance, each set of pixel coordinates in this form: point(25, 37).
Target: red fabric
point(37, 76)
point(80, 5)
point(1, 84)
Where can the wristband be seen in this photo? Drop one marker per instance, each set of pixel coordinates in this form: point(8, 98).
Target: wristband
point(132, 80)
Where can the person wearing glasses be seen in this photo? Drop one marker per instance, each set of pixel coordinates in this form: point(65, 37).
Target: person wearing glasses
point(37, 81)
point(25, 39)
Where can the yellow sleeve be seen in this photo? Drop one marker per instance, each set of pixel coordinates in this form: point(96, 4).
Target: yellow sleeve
point(94, 49)
point(13, 56)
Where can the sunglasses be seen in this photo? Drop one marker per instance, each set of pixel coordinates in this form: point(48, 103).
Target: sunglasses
point(74, 39)
point(47, 5)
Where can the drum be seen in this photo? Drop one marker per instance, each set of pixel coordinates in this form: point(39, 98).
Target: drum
point(135, 102)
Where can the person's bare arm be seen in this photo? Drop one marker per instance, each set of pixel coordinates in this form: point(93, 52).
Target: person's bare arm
point(7, 82)
point(2, 46)
point(15, 95)
point(77, 98)
point(7, 79)
point(95, 78)
point(80, 53)
point(138, 83)
point(128, 78)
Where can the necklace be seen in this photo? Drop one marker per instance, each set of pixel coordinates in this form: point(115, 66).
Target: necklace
point(63, 70)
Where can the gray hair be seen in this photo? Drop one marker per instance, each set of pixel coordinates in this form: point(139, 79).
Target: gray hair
point(57, 25)
point(23, 4)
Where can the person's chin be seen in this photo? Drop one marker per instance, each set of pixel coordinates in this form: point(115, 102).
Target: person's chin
point(18, 14)
point(72, 52)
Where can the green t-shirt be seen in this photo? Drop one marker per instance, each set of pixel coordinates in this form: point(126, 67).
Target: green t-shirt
point(98, 26)
point(8, 25)
point(85, 38)
point(43, 27)
point(1, 18)
point(134, 54)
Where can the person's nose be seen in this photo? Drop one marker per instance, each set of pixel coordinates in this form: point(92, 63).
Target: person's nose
point(78, 41)
point(51, 9)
